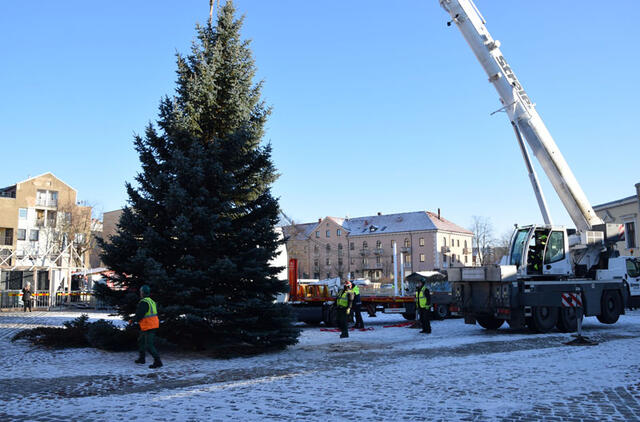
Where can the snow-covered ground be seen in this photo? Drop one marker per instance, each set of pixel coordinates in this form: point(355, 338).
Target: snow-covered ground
point(460, 372)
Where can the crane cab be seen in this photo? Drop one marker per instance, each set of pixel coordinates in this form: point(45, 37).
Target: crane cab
point(540, 251)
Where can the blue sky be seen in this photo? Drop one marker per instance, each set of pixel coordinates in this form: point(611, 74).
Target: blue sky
point(378, 106)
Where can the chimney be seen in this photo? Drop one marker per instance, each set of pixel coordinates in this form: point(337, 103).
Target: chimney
point(379, 213)
point(439, 214)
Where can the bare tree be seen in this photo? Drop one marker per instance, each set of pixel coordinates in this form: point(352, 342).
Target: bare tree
point(75, 225)
point(483, 239)
point(501, 248)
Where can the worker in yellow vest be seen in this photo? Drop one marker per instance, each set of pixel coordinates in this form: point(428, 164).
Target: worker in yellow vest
point(147, 317)
point(344, 302)
point(423, 304)
point(357, 307)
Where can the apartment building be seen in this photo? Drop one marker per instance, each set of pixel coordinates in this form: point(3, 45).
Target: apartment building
point(625, 212)
point(42, 234)
point(364, 246)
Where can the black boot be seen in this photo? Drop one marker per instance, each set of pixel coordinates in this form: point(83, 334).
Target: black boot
point(157, 363)
point(140, 360)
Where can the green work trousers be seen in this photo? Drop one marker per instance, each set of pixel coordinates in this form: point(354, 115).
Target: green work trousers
point(145, 343)
point(342, 321)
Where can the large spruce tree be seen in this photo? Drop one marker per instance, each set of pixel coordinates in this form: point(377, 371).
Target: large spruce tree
point(199, 227)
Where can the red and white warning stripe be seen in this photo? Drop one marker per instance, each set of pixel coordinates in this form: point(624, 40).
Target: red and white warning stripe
point(571, 300)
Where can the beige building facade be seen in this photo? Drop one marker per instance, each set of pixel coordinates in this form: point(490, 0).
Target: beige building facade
point(363, 247)
point(41, 227)
point(626, 212)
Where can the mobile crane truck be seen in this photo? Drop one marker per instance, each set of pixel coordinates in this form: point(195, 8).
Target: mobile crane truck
point(545, 261)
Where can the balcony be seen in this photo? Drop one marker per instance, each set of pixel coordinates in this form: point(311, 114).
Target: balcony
point(466, 251)
point(407, 265)
point(49, 203)
point(40, 222)
point(365, 252)
point(445, 249)
point(378, 251)
point(372, 266)
point(405, 249)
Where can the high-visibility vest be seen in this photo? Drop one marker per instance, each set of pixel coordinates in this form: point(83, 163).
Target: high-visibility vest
point(421, 298)
point(150, 319)
point(343, 300)
point(356, 297)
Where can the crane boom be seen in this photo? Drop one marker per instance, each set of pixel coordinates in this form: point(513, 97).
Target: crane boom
point(521, 111)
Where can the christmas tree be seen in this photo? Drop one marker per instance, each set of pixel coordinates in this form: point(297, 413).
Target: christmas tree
point(199, 225)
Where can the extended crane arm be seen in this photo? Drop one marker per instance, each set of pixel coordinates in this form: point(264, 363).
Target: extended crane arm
point(521, 111)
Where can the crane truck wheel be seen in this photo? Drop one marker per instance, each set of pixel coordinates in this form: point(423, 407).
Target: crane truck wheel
point(330, 316)
point(441, 311)
point(409, 316)
point(567, 320)
point(544, 318)
point(489, 322)
point(611, 307)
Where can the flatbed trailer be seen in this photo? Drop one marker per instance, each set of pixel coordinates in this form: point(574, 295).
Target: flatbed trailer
point(314, 304)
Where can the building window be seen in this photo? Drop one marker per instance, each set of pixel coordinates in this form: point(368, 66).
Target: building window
point(8, 237)
point(421, 257)
point(444, 241)
point(353, 261)
point(352, 246)
point(466, 259)
point(328, 248)
point(421, 241)
point(315, 263)
point(458, 242)
point(317, 234)
point(33, 235)
point(444, 259)
point(365, 261)
point(378, 259)
point(407, 259)
point(22, 234)
point(378, 244)
point(315, 249)
point(339, 262)
point(338, 232)
point(365, 245)
point(465, 244)
point(328, 262)
point(328, 275)
point(22, 213)
point(328, 233)
point(406, 242)
point(630, 234)
point(393, 243)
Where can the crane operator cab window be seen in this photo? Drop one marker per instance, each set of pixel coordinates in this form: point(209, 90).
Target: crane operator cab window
point(517, 247)
point(633, 268)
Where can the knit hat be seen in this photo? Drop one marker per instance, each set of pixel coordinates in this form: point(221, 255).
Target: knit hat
point(145, 290)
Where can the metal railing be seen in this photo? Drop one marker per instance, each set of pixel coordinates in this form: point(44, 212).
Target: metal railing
point(13, 299)
point(47, 202)
point(43, 299)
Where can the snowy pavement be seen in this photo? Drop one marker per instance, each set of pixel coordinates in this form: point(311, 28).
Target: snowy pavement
point(460, 372)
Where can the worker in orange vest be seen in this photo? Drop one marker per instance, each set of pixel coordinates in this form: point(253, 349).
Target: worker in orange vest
point(147, 316)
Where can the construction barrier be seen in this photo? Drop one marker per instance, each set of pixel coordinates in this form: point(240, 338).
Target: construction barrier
point(43, 299)
point(13, 299)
